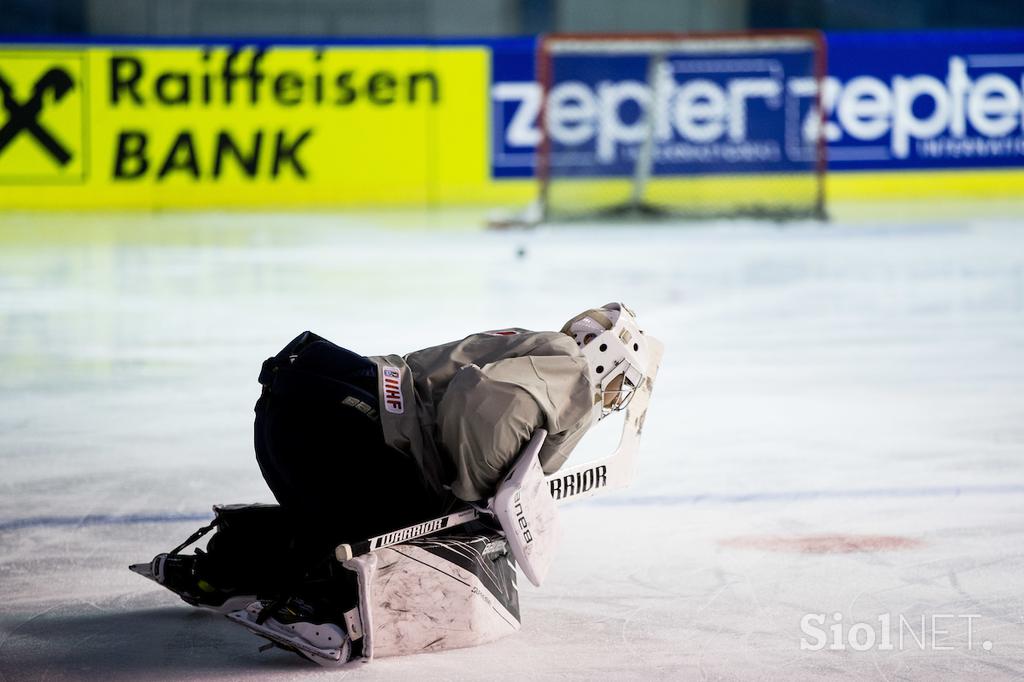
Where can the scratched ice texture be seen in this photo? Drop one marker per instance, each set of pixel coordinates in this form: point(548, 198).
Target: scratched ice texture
point(823, 386)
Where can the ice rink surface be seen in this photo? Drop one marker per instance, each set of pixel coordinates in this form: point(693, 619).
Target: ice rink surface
point(838, 429)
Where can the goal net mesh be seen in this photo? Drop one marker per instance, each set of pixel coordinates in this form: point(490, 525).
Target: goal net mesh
point(692, 126)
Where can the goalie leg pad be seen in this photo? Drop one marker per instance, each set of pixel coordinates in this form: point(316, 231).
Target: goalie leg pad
point(436, 593)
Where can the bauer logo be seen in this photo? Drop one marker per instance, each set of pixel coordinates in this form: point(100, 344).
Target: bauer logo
point(42, 118)
point(521, 522)
point(391, 387)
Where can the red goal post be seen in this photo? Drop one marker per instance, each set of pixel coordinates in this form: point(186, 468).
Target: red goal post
point(689, 125)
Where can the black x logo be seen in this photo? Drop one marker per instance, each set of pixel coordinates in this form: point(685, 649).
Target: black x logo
point(24, 116)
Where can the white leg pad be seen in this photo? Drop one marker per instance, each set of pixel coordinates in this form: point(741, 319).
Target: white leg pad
point(433, 594)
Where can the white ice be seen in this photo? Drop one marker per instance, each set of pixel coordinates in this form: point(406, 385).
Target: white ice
point(848, 379)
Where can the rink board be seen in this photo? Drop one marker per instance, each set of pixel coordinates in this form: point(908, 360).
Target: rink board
point(421, 123)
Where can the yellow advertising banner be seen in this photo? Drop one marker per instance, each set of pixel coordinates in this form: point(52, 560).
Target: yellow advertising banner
point(300, 126)
point(242, 126)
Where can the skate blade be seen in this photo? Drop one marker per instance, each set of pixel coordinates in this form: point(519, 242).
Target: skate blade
point(324, 657)
point(229, 605)
point(145, 570)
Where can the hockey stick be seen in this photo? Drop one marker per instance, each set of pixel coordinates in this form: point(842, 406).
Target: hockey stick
point(345, 552)
point(584, 480)
point(616, 470)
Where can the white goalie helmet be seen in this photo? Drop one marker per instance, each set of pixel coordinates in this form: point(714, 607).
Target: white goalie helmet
point(616, 352)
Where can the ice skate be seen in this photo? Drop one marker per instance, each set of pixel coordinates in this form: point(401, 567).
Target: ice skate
point(183, 575)
point(221, 577)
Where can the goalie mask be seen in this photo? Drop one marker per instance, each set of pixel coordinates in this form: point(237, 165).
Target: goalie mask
point(615, 350)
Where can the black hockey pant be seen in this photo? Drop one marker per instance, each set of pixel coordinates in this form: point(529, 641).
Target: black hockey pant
point(321, 449)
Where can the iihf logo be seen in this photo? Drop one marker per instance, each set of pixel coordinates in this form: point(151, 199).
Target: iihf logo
point(42, 126)
point(391, 387)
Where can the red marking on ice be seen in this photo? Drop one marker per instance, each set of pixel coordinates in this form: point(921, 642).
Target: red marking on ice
point(824, 544)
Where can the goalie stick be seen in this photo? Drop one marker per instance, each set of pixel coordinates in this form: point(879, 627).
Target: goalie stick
point(583, 480)
point(616, 470)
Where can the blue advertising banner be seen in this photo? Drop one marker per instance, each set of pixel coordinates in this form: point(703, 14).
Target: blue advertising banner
point(925, 100)
point(710, 115)
point(892, 100)
point(515, 106)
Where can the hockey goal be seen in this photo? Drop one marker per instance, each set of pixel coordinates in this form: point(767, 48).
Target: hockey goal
point(681, 125)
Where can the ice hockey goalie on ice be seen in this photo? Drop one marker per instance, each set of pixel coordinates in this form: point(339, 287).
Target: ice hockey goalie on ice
point(354, 446)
